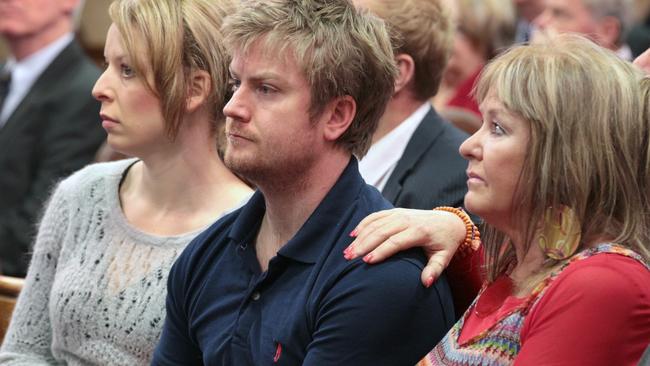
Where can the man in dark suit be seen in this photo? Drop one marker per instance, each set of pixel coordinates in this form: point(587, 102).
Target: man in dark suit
point(414, 159)
point(49, 122)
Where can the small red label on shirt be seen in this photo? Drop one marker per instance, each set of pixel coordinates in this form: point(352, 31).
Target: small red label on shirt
point(278, 353)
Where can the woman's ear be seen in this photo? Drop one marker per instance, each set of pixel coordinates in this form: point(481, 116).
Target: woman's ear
point(199, 88)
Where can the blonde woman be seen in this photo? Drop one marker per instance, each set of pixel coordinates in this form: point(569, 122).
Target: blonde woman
point(559, 173)
point(95, 290)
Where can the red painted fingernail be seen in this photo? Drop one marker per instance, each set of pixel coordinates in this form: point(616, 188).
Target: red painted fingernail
point(353, 233)
point(367, 258)
point(429, 282)
point(347, 253)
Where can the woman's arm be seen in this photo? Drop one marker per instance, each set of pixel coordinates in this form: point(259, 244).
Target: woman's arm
point(385, 233)
point(29, 338)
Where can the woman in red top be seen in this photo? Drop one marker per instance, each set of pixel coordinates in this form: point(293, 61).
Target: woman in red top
point(560, 173)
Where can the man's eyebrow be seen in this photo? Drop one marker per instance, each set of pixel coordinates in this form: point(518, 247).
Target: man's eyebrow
point(259, 77)
point(266, 75)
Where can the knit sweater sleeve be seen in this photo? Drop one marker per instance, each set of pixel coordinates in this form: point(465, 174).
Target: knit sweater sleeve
point(29, 337)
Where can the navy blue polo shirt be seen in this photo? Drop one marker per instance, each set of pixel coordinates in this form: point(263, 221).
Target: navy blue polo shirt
point(311, 307)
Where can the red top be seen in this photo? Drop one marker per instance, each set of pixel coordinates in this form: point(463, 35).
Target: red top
point(463, 96)
point(465, 279)
point(596, 312)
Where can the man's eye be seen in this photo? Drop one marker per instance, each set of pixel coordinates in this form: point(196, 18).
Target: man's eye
point(266, 89)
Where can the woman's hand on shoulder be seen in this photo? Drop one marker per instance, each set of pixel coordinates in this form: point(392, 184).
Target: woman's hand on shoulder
point(384, 233)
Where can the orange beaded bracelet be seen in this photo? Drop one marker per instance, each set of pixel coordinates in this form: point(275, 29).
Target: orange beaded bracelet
point(472, 236)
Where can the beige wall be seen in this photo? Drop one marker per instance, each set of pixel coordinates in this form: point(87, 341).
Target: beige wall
point(93, 26)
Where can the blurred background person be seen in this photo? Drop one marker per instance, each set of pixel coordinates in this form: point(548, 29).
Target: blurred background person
point(95, 290)
point(527, 11)
point(606, 22)
point(483, 28)
point(638, 38)
point(414, 158)
point(49, 123)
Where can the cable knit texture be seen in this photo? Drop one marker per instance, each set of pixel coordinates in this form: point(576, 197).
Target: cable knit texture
point(96, 287)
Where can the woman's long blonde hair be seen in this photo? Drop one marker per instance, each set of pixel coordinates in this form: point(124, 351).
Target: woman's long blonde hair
point(588, 146)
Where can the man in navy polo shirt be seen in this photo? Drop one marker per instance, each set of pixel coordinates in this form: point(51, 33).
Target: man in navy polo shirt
point(268, 284)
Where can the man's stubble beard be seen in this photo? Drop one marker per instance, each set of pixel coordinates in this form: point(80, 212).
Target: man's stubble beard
point(287, 171)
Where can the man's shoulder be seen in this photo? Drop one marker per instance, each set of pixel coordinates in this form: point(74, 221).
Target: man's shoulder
point(370, 200)
point(394, 285)
point(403, 269)
point(391, 289)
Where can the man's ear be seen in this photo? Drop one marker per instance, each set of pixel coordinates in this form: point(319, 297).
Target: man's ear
point(338, 117)
point(405, 71)
point(199, 88)
point(609, 32)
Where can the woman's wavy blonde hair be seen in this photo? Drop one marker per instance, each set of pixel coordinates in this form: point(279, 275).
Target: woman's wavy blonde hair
point(588, 147)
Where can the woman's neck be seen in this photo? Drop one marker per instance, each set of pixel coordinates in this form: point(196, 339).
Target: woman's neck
point(528, 263)
point(180, 187)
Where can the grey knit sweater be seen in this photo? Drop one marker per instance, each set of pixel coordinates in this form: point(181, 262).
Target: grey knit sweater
point(95, 290)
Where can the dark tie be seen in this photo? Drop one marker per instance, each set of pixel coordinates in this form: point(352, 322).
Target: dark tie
point(5, 80)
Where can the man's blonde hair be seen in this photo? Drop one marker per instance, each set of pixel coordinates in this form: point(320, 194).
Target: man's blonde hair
point(341, 52)
point(423, 30)
point(588, 141)
point(167, 40)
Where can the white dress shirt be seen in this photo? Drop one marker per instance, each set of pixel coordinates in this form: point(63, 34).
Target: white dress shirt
point(24, 73)
point(625, 52)
point(380, 161)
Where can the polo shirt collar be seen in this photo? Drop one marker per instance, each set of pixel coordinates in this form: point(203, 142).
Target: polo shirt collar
point(307, 245)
